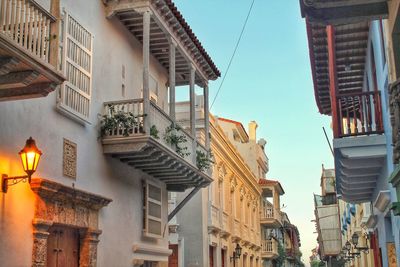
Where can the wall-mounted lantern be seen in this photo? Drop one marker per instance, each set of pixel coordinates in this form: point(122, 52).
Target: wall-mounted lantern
point(354, 240)
point(30, 156)
point(237, 252)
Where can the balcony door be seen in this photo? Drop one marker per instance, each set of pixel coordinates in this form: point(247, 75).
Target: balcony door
point(63, 247)
point(211, 255)
point(223, 252)
point(173, 258)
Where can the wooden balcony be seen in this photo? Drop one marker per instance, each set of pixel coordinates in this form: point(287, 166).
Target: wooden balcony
point(359, 145)
point(328, 227)
point(269, 249)
point(359, 114)
point(214, 225)
point(236, 233)
point(25, 51)
point(270, 217)
point(150, 152)
point(245, 234)
point(226, 227)
point(342, 12)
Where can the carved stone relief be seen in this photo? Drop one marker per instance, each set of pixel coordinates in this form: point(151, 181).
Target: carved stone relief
point(59, 204)
point(69, 158)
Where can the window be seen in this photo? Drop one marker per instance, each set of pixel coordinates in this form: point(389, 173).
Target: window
point(152, 206)
point(76, 47)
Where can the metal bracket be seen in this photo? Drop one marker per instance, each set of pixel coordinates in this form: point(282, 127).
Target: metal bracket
point(14, 180)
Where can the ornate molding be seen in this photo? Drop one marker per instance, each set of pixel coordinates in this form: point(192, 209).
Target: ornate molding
point(394, 105)
point(55, 192)
point(70, 155)
point(173, 228)
point(213, 230)
point(242, 192)
point(151, 250)
point(233, 184)
point(60, 204)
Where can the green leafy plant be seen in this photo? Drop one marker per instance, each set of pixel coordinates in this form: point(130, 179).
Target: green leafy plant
point(203, 160)
point(118, 122)
point(154, 132)
point(281, 255)
point(173, 137)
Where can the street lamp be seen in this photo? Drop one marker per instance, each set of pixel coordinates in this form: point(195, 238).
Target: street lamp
point(236, 253)
point(354, 240)
point(30, 156)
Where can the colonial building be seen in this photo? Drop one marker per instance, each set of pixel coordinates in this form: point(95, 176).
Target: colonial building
point(108, 135)
point(352, 55)
point(271, 221)
point(227, 213)
point(345, 230)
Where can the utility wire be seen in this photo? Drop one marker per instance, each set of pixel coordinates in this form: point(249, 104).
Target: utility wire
point(327, 140)
point(233, 54)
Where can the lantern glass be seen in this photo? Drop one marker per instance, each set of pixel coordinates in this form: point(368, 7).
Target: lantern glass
point(238, 250)
point(354, 239)
point(30, 156)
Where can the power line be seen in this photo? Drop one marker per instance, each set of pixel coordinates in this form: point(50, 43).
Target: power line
point(233, 54)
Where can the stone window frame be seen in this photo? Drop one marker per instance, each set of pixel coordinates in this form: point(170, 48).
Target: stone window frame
point(57, 204)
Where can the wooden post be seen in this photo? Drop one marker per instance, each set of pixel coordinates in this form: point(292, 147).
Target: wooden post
point(206, 117)
point(193, 111)
point(146, 73)
point(54, 32)
point(172, 47)
point(330, 31)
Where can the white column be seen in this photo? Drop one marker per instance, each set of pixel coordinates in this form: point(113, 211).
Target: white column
point(193, 112)
point(146, 73)
point(172, 46)
point(206, 117)
point(218, 260)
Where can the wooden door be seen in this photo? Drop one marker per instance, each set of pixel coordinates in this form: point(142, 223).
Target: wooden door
point(222, 257)
point(63, 247)
point(173, 258)
point(211, 255)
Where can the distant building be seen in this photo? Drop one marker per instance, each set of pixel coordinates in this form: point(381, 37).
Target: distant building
point(354, 61)
point(208, 229)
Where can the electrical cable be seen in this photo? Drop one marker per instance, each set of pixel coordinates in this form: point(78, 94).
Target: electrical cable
point(233, 54)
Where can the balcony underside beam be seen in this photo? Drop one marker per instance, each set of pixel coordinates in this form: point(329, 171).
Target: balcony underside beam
point(358, 161)
point(146, 154)
point(335, 12)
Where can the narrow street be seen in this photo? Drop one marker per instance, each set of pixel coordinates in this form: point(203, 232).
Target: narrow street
point(213, 133)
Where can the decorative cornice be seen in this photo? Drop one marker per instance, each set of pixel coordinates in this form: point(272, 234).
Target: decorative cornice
point(53, 191)
point(151, 250)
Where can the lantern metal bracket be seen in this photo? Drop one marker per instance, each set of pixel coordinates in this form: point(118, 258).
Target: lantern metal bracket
point(10, 181)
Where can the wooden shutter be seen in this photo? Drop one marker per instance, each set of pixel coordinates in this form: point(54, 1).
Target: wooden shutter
point(77, 49)
point(152, 219)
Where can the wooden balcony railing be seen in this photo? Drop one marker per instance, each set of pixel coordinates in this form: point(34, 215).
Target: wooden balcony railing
point(269, 246)
point(215, 216)
point(236, 228)
point(269, 212)
point(28, 25)
point(225, 222)
point(359, 114)
point(157, 117)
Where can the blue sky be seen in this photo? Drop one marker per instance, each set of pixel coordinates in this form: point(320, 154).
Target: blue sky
point(269, 81)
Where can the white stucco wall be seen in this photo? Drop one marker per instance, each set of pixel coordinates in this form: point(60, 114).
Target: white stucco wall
point(121, 221)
